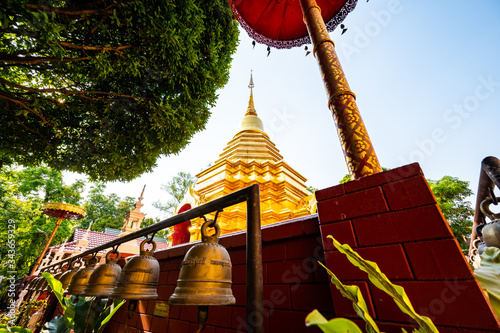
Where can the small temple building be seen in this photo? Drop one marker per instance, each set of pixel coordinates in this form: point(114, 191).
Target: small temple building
point(249, 158)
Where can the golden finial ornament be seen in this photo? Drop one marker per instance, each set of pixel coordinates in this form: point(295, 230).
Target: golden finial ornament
point(251, 108)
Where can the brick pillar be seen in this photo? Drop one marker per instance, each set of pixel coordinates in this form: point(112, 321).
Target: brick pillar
point(392, 218)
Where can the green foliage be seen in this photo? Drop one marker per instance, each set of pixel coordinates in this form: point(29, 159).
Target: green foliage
point(25, 309)
point(161, 233)
point(451, 194)
point(106, 87)
point(487, 276)
point(22, 192)
point(381, 281)
point(336, 325)
point(345, 179)
point(311, 189)
point(87, 315)
point(149, 221)
point(353, 294)
point(6, 329)
point(105, 210)
point(57, 289)
point(176, 188)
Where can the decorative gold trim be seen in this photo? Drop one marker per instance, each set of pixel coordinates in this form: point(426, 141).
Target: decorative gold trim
point(340, 93)
point(60, 206)
point(320, 43)
point(307, 11)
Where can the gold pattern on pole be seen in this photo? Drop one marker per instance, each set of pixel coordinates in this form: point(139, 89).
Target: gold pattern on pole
point(358, 149)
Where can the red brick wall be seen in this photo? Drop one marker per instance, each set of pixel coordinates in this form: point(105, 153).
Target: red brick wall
point(391, 218)
point(294, 285)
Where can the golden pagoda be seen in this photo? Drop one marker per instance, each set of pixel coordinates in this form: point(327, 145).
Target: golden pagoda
point(251, 158)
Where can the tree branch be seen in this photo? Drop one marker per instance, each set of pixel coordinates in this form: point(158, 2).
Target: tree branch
point(70, 92)
point(44, 120)
point(95, 48)
point(21, 123)
point(37, 60)
point(69, 12)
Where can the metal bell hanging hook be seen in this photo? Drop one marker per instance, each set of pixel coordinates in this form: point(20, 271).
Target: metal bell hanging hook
point(489, 232)
point(485, 208)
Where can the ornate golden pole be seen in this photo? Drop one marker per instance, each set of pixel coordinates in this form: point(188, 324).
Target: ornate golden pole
point(39, 260)
point(358, 149)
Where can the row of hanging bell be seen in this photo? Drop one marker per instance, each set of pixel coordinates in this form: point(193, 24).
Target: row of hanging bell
point(138, 280)
point(204, 278)
point(81, 277)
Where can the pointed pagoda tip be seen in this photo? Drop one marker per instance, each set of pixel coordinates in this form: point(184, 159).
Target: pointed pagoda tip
point(251, 85)
point(142, 193)
point(251, 107)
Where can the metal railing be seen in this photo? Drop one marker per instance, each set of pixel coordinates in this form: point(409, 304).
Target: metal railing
point(488, 179)
point(251, 194)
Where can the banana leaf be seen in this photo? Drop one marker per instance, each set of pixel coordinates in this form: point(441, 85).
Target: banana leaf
point(358, 302)
point(381, 281)
point(336, 325)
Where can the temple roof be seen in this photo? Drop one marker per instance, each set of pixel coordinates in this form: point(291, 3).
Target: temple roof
point(95, 238)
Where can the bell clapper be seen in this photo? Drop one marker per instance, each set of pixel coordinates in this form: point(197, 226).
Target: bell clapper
point(202, 316)
point(132, 305)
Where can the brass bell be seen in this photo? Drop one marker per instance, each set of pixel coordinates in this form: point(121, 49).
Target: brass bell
point(104, 278)
point(139, 277)
point(205, 275)
point(81, 277)
point(66, 277)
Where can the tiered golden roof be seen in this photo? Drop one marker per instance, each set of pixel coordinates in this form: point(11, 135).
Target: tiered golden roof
point(250, 158)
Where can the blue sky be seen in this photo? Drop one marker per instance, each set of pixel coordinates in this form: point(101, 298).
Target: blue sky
point(427, 79)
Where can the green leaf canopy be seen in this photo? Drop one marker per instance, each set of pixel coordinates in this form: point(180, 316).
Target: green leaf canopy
point(106, 87)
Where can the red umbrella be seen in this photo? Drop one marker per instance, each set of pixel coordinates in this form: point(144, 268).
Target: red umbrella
point(279, 23)
point(288, 23)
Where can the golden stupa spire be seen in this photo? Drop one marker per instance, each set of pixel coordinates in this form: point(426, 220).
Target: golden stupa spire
point(138, 205)
point(251, 108)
